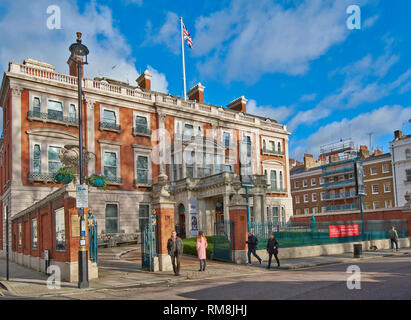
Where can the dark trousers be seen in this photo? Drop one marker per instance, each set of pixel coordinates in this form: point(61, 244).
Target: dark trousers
point(270, 255)
point(392, 243)
point(175, 259)
point(203, 264)
point(252, 251)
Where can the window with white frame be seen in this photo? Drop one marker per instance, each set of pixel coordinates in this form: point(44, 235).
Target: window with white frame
point(315, 210)
point(272, 145)
point(313, 182)
point(34, 233)
point(142, 169)
point(273, 179)
point(36, 106)
point(408, 154)
point(226, 139)
point(306, 210)
point(54, 163)
point(314, 197)
point(388, 203)
point(376, 205)
point(55, 110)
point(322, 194)
point(408, 174)
point(72, 113)
point(281, 181)
point(387, 187)
point(111, 218)
point(141, 124)
point(110, 165)
point(374, 189)
point(306, 198)
point(297, 199)
point(279, 147)
point(386, 168)
point(109, 117)
point(305, 183)
point(321, 180)
point(36, 158)
point(298, 211)
point(373, 171)
point(296, 185)
point(188, 131)
point(60, 229)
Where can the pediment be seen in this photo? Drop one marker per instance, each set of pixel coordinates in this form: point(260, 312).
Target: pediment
point(52, 133)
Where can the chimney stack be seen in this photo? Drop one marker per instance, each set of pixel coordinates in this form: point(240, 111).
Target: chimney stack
point(308, 161)
point(397, 134)
point(196, 93)
point(144, 80)
point(377, 152)
point(73, 67)
point(238, 104)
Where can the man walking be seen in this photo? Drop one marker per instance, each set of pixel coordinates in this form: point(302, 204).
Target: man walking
point(175, 250)
point(272, 249)
point(393, 234)
point(252, 246)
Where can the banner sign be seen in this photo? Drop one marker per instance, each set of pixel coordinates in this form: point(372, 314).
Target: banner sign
point(193, 216)
point(348, 230)
point(359, 178)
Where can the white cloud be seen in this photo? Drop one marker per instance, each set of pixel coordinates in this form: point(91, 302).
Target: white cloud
point(168, 34)
point(277, 113)
point(28, 36)
point(381, 121)
point(158, 82)
point(308, 97)
point(251, 38)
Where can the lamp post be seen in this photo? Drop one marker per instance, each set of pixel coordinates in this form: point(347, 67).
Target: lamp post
point(78, 51)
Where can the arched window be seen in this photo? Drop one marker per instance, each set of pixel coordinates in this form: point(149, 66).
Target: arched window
point(281, 180)
point(273, 179)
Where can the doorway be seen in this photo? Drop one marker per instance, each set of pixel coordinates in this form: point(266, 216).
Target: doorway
point(181, 227)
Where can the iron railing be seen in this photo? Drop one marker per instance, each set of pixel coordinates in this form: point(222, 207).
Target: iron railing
point(114, 180)
point(342, 207)
point(276, 189)
point(275, 152)
point(339, 195)
point(296, 234)
point(143, 182)
point(141, 129)
point(40, 176)
point(52, 115)
point(109, 125)
point(339, 183)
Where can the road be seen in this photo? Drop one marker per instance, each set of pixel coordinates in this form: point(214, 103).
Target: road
point(381, 278)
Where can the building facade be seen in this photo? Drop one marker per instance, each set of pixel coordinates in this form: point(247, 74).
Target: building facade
point(401, 166)
point(133, 134)
point(329, 187)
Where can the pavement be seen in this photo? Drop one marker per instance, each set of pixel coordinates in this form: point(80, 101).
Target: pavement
point(120, 268)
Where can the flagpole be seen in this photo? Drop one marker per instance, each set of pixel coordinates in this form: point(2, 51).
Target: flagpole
point(184, 65)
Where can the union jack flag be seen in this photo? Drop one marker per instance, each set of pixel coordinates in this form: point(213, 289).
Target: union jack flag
point(187, 36)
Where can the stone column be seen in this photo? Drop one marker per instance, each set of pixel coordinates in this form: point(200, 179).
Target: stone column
point(257, 208)
point(226, 206)
point(16, 136)
point(91, 165)
point(161, 120)
point(238, 214)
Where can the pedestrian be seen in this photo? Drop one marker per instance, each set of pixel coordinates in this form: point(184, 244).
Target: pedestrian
point(393, 234)
point(252, 247)
point(201, 250)
point(175, 250)
point(272, 249)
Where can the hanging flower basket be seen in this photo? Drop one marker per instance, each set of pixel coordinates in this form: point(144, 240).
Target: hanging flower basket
point(64, 176)
point(97, 180)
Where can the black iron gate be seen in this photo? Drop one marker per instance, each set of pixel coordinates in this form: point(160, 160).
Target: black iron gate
point(223, 240)
point(92, 238)
point(148, 243)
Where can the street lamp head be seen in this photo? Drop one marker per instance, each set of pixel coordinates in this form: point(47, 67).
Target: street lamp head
point(78, 49)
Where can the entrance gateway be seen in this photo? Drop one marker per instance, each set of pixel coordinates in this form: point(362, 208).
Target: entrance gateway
point(148, 242)
point(223, 240)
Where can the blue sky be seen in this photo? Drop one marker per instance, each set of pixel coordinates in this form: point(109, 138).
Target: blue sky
point(296, 61)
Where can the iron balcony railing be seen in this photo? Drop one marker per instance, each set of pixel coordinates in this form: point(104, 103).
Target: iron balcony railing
point(143, 182)
point(342, 207)
point(339, 195)
point(339, 183)
point(114, 180)
point(329, 173)
point(141, 129)
point(274, 152)
point(52, 115)
point(109, 125)
point(40, 176)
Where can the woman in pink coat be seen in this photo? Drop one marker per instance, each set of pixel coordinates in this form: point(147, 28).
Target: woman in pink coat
point(201, 249)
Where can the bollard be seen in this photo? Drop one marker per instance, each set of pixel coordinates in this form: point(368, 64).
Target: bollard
point(357, 250)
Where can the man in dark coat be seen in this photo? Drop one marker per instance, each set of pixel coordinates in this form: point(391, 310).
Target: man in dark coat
point(252, 247)
point(272, 249)
point(175, 250)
